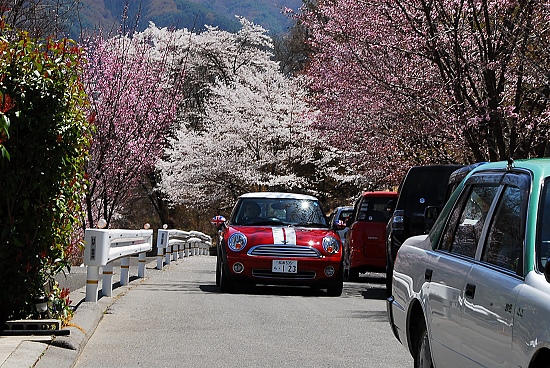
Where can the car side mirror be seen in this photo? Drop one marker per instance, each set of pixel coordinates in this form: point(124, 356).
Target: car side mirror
point(431, 212)
point(339, 225)
point(547, 271)
point(218, 222)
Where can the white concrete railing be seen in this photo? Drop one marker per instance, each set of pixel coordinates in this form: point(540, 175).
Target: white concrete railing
point(172, 244)
point(102, 246)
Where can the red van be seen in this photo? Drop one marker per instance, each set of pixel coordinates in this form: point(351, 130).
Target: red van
point(365, 242)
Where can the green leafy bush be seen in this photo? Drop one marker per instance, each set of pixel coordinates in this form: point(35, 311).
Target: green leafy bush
point(44, 138)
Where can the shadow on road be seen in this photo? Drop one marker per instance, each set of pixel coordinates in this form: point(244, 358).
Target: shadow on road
point(304, 291)
point(363, 290)
point(375, 293)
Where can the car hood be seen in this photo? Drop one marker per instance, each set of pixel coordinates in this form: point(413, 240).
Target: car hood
point(418, 241)
point(283, 235)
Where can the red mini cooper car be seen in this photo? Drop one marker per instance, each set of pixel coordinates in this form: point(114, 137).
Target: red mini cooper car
point(279, 239)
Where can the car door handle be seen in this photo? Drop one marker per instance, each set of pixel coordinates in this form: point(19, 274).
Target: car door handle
point(428, 274)
point(470, 291)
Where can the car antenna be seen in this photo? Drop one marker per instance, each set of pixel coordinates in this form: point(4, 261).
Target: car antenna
point(510, 164)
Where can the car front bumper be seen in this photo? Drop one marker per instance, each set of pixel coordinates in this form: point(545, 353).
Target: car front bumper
point(389, 313)
point(258, 270)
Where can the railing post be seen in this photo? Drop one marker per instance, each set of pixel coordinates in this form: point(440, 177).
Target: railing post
point(175, 252)
point(162, 240)
point(195, 248)
point(186, 246)
point(142, 259)
point(107, 280)
point(125, 271)
point(92, 280)
point(168, 254)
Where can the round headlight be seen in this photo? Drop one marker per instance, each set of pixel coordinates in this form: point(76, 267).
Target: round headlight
point(237, 242)
point(331, 245)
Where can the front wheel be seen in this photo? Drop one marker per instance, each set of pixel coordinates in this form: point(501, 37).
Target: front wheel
point(225, 284)
point(218, 271)
point(422, 354)
point(336, 288)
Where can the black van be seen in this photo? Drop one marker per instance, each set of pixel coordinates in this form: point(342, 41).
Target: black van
point(422, 187)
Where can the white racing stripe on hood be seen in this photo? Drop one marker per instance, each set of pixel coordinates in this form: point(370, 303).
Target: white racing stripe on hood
point(284, 235)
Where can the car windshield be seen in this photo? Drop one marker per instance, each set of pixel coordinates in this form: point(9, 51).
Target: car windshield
point(544, 226)
point(279, 211)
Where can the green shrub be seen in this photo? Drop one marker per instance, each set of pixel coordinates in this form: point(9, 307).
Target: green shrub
point(44, 137)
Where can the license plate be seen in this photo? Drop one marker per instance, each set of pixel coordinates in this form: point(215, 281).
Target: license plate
point(284, 266)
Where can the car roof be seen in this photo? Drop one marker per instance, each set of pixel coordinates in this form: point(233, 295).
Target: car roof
point(540, 166)
point(380, 193)
point(459, 174)
point(278, 195)
point(436, 167)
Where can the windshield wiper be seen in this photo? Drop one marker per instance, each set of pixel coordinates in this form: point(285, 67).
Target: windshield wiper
point(265, 222)
point(310, 224)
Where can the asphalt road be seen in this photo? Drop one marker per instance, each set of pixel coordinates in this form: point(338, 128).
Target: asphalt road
point(178, 318)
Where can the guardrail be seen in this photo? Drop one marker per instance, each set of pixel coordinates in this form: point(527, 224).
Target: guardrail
point(173, 244)
point(102, 246)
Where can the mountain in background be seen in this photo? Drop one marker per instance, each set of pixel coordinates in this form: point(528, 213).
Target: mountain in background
point(191, 14)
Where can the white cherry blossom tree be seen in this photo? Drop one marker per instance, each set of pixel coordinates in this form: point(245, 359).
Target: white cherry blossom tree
point(248, 128)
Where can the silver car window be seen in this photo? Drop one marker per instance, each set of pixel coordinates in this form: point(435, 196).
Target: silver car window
point(504, 247)
point(466, 223)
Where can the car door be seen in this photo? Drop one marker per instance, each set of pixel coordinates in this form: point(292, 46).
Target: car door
point(446, 276)
point(493, 284)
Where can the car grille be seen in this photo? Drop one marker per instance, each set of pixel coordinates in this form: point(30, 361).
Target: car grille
point(300, 275)
point(284, 251)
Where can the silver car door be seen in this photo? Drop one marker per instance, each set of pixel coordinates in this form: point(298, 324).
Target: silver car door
point(494, 282)
point(455, 256)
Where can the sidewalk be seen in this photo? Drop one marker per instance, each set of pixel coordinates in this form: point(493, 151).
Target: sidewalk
point(63, 351)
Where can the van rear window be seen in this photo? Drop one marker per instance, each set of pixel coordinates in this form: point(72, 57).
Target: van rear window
point(374, 209)
point(424, 188)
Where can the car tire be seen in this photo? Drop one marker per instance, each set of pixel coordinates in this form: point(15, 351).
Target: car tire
point(225, 284)
point(336, 288)
point(353, 274)
point(422, 353)
point(346, 273)
point(218, 271)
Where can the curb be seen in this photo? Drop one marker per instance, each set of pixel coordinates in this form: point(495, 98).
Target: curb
point(64, 351)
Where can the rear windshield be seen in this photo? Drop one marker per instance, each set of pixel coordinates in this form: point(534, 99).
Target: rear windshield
point(278, 211)
point(374, 209)
point(423, 188)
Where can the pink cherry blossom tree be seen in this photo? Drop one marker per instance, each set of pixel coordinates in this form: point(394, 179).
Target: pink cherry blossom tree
point(431, 81)
point(135, 95)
